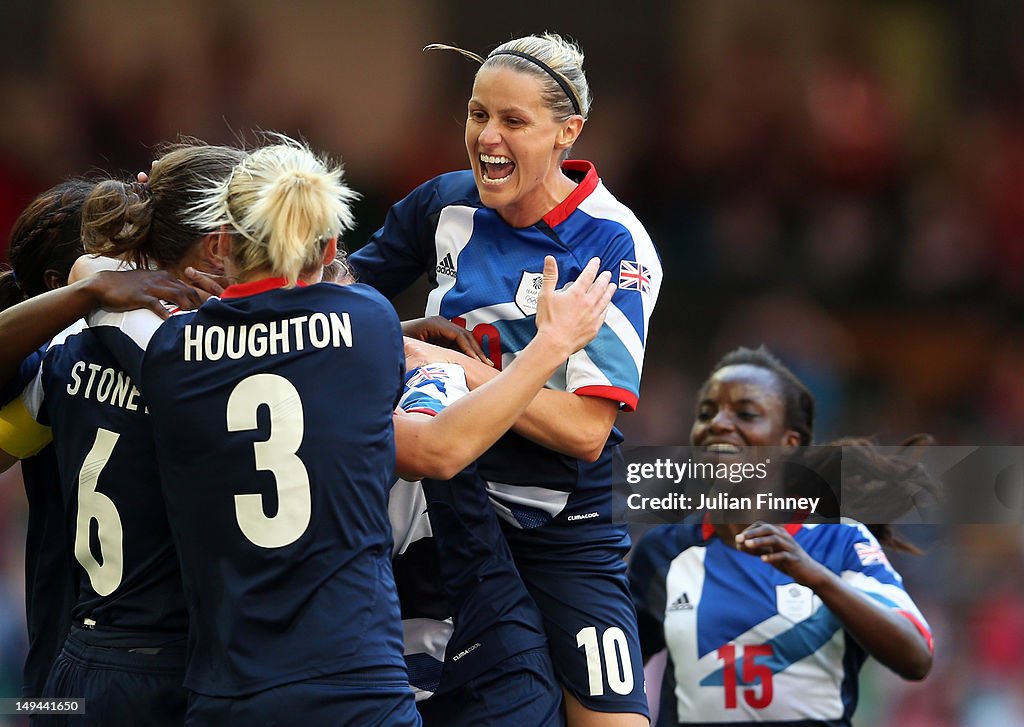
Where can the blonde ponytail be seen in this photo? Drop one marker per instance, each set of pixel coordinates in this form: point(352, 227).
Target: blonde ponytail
point(284, 202)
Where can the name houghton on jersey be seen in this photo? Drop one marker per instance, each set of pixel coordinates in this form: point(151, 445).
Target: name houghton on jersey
point(319, 330)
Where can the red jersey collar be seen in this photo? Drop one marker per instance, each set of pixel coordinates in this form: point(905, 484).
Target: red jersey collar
point(240, 290)
point(707, 529)
point(568, 205)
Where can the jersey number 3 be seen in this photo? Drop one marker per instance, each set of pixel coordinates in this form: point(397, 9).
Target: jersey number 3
point(275, 455)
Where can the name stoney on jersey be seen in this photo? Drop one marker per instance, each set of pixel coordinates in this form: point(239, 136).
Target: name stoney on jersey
point(319, 330)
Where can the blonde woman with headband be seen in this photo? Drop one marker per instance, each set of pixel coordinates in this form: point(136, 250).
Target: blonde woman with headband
point(481, 236)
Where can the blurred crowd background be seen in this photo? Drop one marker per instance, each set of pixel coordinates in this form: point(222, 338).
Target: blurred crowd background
point(842, 181)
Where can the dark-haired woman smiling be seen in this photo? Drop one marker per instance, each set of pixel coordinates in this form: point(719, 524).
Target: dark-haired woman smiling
point(771, 623)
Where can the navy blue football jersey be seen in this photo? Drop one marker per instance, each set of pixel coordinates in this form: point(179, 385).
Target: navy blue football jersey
point(464, 606)
point(50, 583)
point(127, 569)
point(745, 642)
point(272, 409)
point(50, 588)
point(486, 277)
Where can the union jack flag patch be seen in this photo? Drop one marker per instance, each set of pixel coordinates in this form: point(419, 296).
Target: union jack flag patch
point(428, 374)
point(634, 276)
point(871, 554)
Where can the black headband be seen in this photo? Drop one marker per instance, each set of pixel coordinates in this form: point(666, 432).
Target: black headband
point(547, 69)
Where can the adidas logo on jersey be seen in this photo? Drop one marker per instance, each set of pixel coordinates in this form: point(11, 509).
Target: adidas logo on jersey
point(681, 604)
point(446, 266)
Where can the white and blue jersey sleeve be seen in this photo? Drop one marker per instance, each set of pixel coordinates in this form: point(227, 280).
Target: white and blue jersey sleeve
point(746, 643)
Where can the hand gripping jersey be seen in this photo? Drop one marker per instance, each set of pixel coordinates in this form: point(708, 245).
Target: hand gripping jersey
point(747, 644)
point(486, 276)
point(128, 579)
point(272, 410)
point(464, 606)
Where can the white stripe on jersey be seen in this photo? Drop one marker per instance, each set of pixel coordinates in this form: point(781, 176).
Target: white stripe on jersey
point(893, 593)
point(138, 325)
point(426, 636)
point(581, 371)
point(490, 314)
point(624, 331)
point(539, 498)
point(603, 205)
point(407, 510)
point(456, 224)
point(685, 577)
point(32, 396)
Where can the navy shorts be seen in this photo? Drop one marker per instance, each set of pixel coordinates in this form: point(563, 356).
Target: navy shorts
point(365, 700)
point(577, 576)
point(520, 691)
point(121, 685)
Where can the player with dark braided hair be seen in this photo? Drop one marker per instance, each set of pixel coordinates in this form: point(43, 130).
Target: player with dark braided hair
point(44, 244)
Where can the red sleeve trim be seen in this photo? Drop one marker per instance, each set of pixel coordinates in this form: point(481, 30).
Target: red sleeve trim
point(920, 627)
point(627, 398)
point(421, 410)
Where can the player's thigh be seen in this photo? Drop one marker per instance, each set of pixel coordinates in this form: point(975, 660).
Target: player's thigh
point(118, 693)
point(324, 702)
point(578, 580)
point(519, 691)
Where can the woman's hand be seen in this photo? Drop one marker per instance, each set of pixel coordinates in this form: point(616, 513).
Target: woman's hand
point(419, 353)
point(574, 314)
point(207, 284)
point(777, 547)
point(441, 331)
point(123, 290)
point(885, 633)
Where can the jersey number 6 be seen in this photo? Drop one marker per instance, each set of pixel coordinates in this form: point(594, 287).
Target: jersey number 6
point(275, 455)
point(104, 577)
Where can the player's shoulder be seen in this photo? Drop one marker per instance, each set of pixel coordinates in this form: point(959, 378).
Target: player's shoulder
point(664, 543)
point(450, 188)
point(843, 545)
point(138, 325)
point(845, 532)
point(355, 297)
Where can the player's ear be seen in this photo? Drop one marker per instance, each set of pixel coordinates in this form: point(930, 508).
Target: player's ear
point(53, 279)
point(209, 258)
point(220, 246)
point(569, 132)
point(330, 250)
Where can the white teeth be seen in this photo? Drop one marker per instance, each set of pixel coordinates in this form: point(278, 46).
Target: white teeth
point(494, 160)
point(495, 182)
point(723, 448)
